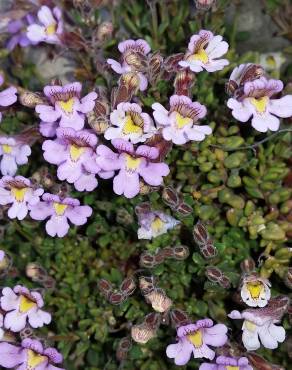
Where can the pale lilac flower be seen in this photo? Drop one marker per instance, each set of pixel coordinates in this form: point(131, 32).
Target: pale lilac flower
point(19, 192)
point(154, 223)
point(227, 363)
point(50, 26)
point(1, 324)
point(259, 323)
point(180, 123)
point(204, 49)
point(48, 129)
point(7, 96)
point(131, 164)
point(131, 59)
point(14, 152)
point(2, 256)
point(255, 290)
point(18, 29)
point(130, 123)
point(21, 306)
point(195, 339)
point(256, 102)
point(65, 103)
point(30, 355)
point(74, 154)
point(60, 211)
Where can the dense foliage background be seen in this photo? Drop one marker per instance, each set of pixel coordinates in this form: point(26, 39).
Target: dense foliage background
point(237, 181)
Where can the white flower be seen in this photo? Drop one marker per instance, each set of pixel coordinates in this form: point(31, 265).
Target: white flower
point(21, 306)
point(130, 123)
point(203, 51)
point(256, 102)
point(255, 291)
point(180, 123)
point(259, 326)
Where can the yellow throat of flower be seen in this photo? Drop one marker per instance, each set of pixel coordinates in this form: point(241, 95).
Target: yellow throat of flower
point(34, 359)
point(51, 29)
point(196, 338)
point(67, 106)
point(60, 208)
point(132, 163)
point(250, 325)
point(76, 152)
point(26, 304)
point(130, 127)
point(18, 194)
point(255, 288)
point(182, 121)
point(260, 104)
point(157, 225)
point(232, 367)
point(7, 149)
point(200, 55)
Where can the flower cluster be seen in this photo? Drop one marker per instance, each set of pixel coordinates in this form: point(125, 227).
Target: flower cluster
point(252, 97)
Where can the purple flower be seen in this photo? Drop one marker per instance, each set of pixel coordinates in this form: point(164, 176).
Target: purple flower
point(194, 339)
point(259, 323)
point(130, 123)
point(65, 103)
point(60, 210)
point(74, 153)
point(179, 124)
point(50, 28)
point(132, 164)
point(131, 60)
point(2, 256)
point(227, 363)
point(256, 102)
point(203, 52)
point(29, 355)
point(48, 129)
point(153, 223)
point(7, 96)
point(19, 192)
point(22, 305)
point(18, 29)
point(14, 152)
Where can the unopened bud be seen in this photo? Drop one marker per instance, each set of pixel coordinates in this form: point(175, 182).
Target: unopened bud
point(159, 300)
point(288, 278)
point(142, 333)
point(104, 31)
point(30, 99)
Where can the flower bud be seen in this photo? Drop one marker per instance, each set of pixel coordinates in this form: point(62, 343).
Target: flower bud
point(142, 333)
point(204, 4)
point(104, 31)
point(158, 300)
point(30, 99)
point(288, 278)
point(123, 348)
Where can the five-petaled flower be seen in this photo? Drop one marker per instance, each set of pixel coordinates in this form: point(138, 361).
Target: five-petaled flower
point(30, 355)
point(74, 153)
point(18, 29)
point(133, 55)
point(154, 223)
point(194, 339)
point(19, 192)
point(21, 306)
point(257, 102)
point(65, 103)
point(50, 26)
point(60, 210)
point(260, 324)
point(7, 96)
point(179, 124)
point(255, 290)
point(130, 123)
point(227, 363)
point(204, 49)
point(131, 164)
point(14, 152)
